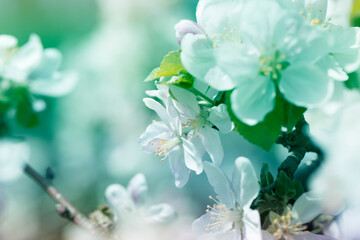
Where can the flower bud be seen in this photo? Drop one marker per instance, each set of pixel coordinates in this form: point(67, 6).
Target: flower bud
point(187, 26)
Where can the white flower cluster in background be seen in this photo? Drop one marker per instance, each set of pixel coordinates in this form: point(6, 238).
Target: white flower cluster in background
point(33, 66)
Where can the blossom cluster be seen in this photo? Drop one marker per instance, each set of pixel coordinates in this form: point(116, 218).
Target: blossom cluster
point(255, 57)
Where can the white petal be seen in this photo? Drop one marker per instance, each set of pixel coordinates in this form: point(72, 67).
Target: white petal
point(219, 80)
point(201, 225)
point(159, 109)
point(192, 156)
point(253, 99)
point(50, 62)
point(305, 85)
point(29, 56)
point(118, 197)
point(212, 143)
point(7, 42)
point(160, 213)
point(252, 224)
point(56, 86)
point(178, 167)
point(137, 189)
point(186, 98)
point(306, 208)
point(267, 236)
point(240, 62)
point(154, 132)
point(197, 55)
point(311, 236)
point(334, 70)
point(317, 8)
point(244, 181)
point(219, 116)
point(221, 184)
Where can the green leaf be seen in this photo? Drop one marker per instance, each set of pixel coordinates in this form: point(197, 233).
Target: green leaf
point(25, 114)
point(184, 80)
point(265, 133)
point(152, 75)
point(292, 114)
point(285, 187)
point(299, 188)
point(266, 177)
point(170, 66)
point(353, 82)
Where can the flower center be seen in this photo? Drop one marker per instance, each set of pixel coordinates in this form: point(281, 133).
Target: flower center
point(271, 65)
point(221, 215)
point(282, 227)
point(164, 146)
point(231, 33)
point(197, 123)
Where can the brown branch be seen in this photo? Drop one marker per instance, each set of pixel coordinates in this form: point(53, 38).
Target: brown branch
point(64, 207)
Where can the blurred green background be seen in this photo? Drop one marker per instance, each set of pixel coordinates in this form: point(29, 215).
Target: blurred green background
point(89, 137)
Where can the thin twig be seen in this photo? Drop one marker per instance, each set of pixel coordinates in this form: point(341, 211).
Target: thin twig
point(64, 207)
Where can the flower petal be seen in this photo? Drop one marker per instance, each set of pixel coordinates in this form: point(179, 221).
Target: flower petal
point(160, 213)
point(178, 167)
point(305, 84)
point(197, 55)
point(219, 116)
point(334, 70)
point(267, 236)
point(311, 236)
point(192, 156)
point(212, 143)
point(244, 182)
point(118, 197)
point(221, 184)
point(201, 225)
point(154, 132)
point(219, 80)
point(7, 42)
point(253, 99)
point(252, 224)
point(187, 27)
point(185, 98)
point(159, 109)
point(137, 189)
point(317, 9)
point(306, 208)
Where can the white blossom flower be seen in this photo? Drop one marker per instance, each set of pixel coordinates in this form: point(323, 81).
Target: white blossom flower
point(346, 225)
point(129, 203)
point(344, 52)
point(34, 66)
point(231, 216)
point(185, 27)
point(256, 55)
point(202, 120)
point(166, 139)
point(290, 226)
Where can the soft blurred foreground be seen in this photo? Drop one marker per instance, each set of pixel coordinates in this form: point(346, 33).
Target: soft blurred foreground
point(89, 137)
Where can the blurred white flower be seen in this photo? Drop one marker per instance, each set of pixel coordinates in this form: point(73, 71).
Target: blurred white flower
point(231, 216)
point(340, 142)
point(35, 66)
point(13, 156)
point(346, 225)
point(129, 203)
point(290, 226)
point(255, 54)
point(186, 26)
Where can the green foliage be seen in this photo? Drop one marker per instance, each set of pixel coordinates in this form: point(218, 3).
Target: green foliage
point(265, 133)
point(25, 114)
point(287, 189)
point(266, 177)
point(353, 82)
point(173, 72)
point(19, 98)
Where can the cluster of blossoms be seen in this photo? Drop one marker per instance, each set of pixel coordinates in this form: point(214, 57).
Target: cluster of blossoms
point(250, 53)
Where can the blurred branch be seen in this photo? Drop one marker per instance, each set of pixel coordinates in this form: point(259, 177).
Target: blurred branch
point(64, 207)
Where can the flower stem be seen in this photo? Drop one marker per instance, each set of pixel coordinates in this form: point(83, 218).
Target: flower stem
point(200, 94)
point(65, 208)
